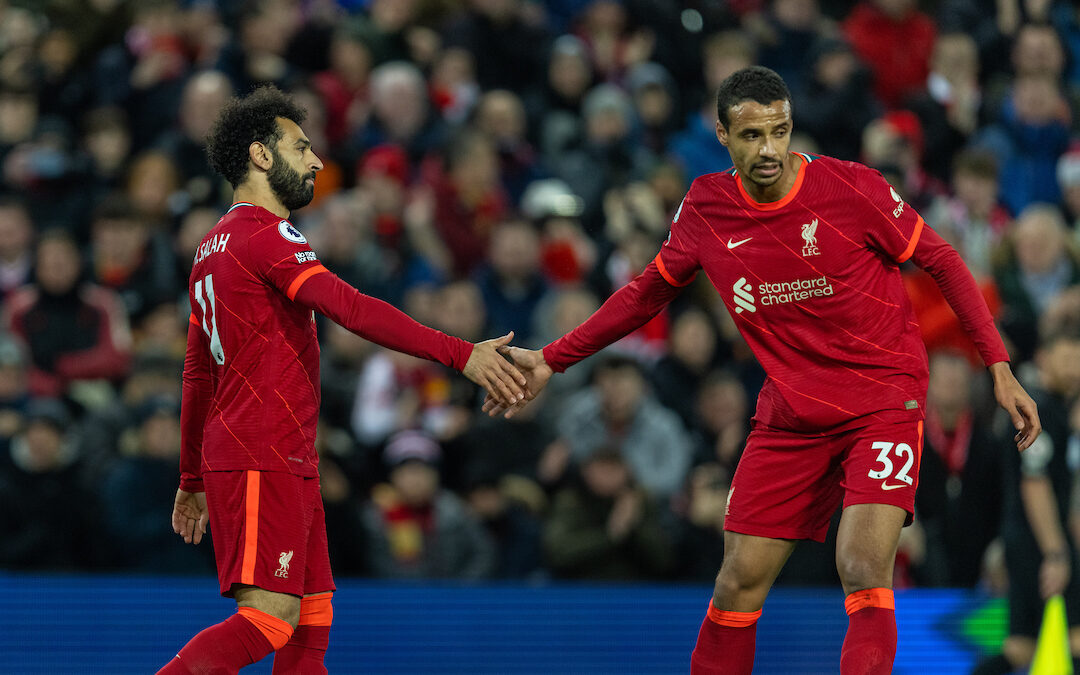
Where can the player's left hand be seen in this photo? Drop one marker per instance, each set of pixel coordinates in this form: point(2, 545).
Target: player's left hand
point(489, 369)
point(190, 516)
point(1022, 410)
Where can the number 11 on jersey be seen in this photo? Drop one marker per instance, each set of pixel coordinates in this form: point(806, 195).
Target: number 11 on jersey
point(207, 282)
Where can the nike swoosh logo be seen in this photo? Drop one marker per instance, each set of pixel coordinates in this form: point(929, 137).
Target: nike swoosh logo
point(733, 244)
point(891, 487)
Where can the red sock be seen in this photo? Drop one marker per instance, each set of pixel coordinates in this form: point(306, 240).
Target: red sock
point(304, 653)
point(222, 649)
point(870, 643)
point(725, 643)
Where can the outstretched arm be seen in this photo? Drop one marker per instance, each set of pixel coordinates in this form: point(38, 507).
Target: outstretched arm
point(943, 263)
point(628, 309)
point(384, 324)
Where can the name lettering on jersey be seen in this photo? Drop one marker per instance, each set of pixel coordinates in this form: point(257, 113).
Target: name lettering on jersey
point(290, 233)
point(305, 256)
point(899, 203)
point(214, 245)
point(809, 235)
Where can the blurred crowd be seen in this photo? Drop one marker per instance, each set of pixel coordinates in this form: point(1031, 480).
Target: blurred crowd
point(495, 165)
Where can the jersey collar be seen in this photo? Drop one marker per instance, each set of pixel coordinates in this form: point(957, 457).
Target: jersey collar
point(783, 201)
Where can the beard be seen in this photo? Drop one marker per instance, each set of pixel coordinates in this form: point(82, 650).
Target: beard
point(288, 185)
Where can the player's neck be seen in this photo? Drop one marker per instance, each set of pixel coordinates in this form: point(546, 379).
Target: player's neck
point(260, 195)
point(779, 189)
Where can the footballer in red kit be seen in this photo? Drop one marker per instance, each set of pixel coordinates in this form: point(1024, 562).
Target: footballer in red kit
point(805, 253)
point(251, 391)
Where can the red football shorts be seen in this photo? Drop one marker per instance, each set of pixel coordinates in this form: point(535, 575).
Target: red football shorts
point(788, 485)
point(269, 530)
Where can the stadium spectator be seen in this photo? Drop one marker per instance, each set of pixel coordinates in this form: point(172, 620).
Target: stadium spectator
point(130, 257)
point(76, 331)
point(506, 47)
point(469, 199)
point(1040, 264)
point(554, 105)
point(501, 115)
point(1029, 136)
point(508, 509)
point(417, 529)
point(52, 520)
point(619, 412)
point(722, 420)
point(949, 104)
point(656, 105)
point(835, 102)
point(401, 114)
point(959, 477)
point(511, 284)
point(204, 95)
point(131, 493)
point(678, 376)
point(604, 526)
point(894, 38)
point(344, 86)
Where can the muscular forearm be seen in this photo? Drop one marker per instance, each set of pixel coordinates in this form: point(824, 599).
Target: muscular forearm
point(628, 309)
point(1040, 507)
point(380, 322)
point(944, 264)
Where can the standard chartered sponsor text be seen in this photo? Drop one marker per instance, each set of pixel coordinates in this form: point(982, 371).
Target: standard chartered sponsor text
point(783, 292)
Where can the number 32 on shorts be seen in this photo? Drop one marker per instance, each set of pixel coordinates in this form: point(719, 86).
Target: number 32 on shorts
point(905, 457)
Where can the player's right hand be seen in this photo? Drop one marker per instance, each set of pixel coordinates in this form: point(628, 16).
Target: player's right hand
point(537, 373)
point(487, 368)
point(190, 516)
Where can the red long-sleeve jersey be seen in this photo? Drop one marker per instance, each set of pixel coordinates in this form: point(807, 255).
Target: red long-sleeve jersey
point(813, 283)
point(251, 374)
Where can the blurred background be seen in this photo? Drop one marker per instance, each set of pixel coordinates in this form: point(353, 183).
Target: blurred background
point(495, 165)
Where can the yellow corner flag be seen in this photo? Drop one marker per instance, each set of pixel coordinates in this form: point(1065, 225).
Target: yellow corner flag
point(1052, 656)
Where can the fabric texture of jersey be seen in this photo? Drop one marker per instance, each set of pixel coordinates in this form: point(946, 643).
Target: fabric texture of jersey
point(813, 283)
point(251, 377)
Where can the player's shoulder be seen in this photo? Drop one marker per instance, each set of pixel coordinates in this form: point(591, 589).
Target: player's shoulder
point(839, 169)
point(709, 182)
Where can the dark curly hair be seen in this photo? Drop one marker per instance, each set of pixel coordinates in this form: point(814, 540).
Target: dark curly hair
point(244, 121)
point(756, 83)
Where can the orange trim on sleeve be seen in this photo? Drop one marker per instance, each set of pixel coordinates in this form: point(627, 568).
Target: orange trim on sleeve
point(301, 278)
point(667, 276)
point(191, 319)
point(871, 597)
point(919, 449)
point(732, 619)
point(913, 242)
point(316, 610)
point(276, 631)
point(251, 529)
point(800, 174)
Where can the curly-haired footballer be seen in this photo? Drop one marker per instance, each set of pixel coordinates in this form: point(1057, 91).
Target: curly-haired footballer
point(251, 395)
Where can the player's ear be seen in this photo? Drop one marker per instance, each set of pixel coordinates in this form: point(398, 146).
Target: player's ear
point(721, 133)
point(260, 155)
